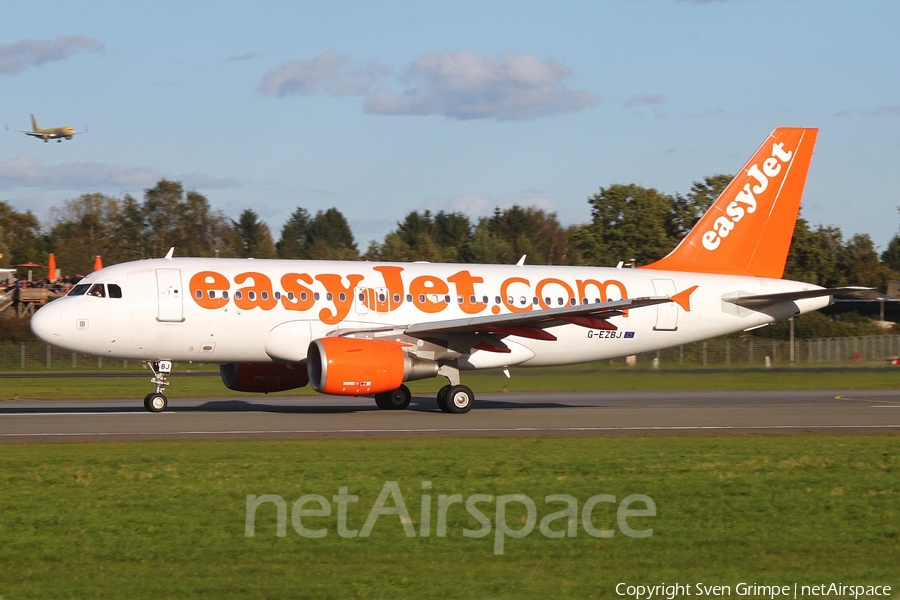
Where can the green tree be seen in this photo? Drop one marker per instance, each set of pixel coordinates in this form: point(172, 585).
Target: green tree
point(131, 230)
point(814, 255)
point(444, 237)
point(628, 222)
point(687, 210)
point(891, 255)
point(294, 242)
point(254, 235)
point(816, 325)
point(20, 237)
point(203, 231)
point(85, 227)
point(510, 233)
point(330, 237)
point(859, 264)
point(5, 256)
point(161, 211)
point(185, 221)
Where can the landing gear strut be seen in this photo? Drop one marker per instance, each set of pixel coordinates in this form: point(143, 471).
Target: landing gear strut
point(157, 401)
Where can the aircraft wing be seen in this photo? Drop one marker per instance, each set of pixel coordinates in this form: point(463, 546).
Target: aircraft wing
point(531, 324)
point(762, 300)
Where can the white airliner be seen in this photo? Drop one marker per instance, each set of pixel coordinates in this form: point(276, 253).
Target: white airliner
point(364, 328)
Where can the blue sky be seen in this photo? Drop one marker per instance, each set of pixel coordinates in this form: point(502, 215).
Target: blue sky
point(381, 108)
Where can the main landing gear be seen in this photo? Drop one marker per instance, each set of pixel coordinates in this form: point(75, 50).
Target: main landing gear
point(453, 398)
point(157, 401)
point(395, 400)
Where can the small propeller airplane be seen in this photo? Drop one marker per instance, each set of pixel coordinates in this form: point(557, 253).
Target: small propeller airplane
point(50, 133)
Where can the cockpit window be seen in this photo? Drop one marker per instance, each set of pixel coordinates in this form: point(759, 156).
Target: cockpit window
point(79, 290)
point(97, 290)
point(114, 290)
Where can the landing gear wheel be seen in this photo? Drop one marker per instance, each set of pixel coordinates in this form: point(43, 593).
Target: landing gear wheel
point(459, 399)
point(442, 398)
point(156, 402)
point(396, 400)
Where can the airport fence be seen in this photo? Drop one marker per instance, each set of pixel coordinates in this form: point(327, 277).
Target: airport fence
point(752, 351)
point(720, 352)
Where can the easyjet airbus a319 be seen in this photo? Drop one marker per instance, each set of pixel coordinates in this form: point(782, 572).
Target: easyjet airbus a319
point(364, 328)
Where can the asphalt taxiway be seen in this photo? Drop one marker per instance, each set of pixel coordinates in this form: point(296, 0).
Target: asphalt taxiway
point(596, 413)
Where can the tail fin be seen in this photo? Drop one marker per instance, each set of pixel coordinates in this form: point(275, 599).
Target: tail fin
point(748, 229)
point(34, 125)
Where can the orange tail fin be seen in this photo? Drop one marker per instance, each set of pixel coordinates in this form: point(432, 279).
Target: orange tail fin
point(748, 229)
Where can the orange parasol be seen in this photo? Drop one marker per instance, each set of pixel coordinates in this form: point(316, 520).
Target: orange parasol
point(98, 264)
point(30, 266)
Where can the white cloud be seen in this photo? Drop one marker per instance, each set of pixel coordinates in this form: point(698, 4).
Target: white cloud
point(459, 85)
point(645, 99)
point(325, 72)
point(19, 56)
point(305, 77)
point(202, 181)
point(29, 172)
point(879, 111)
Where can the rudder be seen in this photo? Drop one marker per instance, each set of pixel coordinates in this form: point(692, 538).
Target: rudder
point(748, 229)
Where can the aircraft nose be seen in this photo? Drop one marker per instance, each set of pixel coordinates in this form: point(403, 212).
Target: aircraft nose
point(46, 323)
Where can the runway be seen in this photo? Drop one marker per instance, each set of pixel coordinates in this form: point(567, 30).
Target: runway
point(599, 413)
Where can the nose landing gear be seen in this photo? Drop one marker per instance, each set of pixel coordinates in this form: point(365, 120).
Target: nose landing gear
point(157, 401)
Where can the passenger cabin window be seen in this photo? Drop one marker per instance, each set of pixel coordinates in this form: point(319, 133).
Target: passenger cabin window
point(80, 289)
point(98, 290)
point(114, 290)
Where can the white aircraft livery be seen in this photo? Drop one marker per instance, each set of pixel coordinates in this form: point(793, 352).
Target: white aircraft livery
point(364, 328)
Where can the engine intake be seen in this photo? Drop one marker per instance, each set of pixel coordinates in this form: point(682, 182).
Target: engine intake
point(263, 378)
point(355, 367)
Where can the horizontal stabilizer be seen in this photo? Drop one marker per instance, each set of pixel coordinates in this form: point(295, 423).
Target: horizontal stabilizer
point(760, 300)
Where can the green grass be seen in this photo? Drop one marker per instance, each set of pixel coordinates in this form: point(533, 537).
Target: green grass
point(574, 378)
point(166, 519)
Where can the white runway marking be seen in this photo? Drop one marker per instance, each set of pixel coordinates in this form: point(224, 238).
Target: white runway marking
point(78, 414)
point(457, 430)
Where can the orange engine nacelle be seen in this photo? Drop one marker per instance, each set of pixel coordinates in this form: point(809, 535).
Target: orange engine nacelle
point(263, 378)
point(355, 367)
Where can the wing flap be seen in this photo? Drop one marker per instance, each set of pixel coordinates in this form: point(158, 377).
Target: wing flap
point(534, 320)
